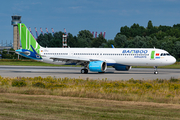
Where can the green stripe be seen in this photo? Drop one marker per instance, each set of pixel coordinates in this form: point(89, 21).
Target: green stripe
point(27, 39)
point(152, 54)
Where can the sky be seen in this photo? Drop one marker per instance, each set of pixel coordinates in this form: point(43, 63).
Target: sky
point(92, 15)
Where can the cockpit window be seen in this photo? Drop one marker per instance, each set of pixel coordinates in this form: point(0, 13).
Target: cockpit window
point(165, 54)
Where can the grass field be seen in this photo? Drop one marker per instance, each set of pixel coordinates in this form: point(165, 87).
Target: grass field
point(44, 107)
point(36, 63)
point(76, 99)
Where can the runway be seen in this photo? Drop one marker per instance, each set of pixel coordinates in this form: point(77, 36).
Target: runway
point(74, 72)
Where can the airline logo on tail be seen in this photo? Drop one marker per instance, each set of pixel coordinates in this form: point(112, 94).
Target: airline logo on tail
point(27, 39)
point(30, 48)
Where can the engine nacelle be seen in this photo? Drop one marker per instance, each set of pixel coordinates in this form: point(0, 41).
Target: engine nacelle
point(122, 67)
point(97, 66)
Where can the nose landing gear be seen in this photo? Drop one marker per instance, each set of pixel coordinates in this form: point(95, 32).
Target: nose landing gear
point(155, 70)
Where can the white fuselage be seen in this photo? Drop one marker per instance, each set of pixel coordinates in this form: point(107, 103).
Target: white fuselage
point(123, 56)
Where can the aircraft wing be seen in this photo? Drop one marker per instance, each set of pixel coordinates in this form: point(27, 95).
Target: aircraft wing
point(73, 59)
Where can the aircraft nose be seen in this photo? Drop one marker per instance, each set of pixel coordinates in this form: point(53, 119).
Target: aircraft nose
point(173, 60)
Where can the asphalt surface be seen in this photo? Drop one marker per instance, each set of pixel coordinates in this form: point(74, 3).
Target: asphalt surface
point(74, 72)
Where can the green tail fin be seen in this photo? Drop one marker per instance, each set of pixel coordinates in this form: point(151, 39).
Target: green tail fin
point(27, 39)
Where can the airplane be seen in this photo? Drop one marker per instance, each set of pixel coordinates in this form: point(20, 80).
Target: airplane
point(93, 59)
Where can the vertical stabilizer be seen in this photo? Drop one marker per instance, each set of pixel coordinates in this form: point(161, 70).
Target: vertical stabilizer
point(27, 39)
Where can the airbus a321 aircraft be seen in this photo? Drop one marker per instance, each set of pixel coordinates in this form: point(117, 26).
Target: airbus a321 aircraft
point(93, 59)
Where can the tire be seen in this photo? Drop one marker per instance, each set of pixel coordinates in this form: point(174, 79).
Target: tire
point(84, 71)
point(156, 72)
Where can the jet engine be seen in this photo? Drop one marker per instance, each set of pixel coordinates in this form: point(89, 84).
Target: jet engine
point(97, 66)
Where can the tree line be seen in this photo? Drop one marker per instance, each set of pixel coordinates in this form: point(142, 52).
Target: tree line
point(153, 31)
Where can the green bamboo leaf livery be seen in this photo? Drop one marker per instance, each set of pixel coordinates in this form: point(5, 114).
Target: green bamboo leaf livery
point(29, 39)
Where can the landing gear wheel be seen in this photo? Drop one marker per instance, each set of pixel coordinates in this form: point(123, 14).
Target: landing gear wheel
point(84, 71)
point(156, 72)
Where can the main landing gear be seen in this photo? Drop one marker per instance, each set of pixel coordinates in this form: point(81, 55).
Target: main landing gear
point(155, 70)
point(84, 71)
